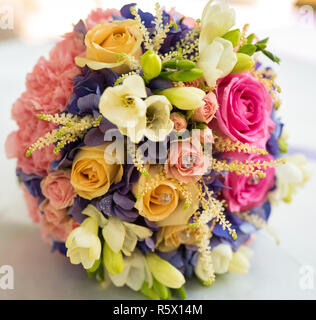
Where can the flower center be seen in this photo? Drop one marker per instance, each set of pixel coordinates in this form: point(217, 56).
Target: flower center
point(128, 101)
point(164, 198)
point(189, 160)
point(253, 180)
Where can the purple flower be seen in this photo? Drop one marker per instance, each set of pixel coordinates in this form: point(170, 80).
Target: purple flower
point(272, 144)
point(88, 87)
point(184, 259)
point(243, 228)
point(146, 17)
point(32, 183)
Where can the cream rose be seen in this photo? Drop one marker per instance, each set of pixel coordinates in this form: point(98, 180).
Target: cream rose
point(171, 237)
point(107, 43)
point(164, 203)
point(91, 174)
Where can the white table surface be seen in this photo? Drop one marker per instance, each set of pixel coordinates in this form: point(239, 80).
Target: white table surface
point(275, 270)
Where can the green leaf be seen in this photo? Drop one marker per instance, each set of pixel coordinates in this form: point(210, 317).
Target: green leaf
point(248, 49)
point(271, 56)
point(250, 38)
point(181, 293)
point(233, 36)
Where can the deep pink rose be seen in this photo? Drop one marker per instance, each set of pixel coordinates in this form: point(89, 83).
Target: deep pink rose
point(206, 112)
point(247, 192)
point(55, 222)
point(57, 188)
point(244, 109)
point(99, 15)
point(179, 122)
point(186, 161)
point(32, 206)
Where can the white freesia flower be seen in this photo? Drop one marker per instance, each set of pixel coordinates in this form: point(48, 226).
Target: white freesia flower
point(122, 235)
point(119, 235)
point(217, 60)
point(158, 123)
point(217, 19)
point(221, 257)
point(123, 104)
point(217, 56)
point(83, 244)
point(224, 260)
point(135, 272)
point(289, 177)
point(240, 261)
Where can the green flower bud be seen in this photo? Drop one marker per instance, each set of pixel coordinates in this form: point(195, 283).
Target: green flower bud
point(179, 64)
point(95, 267)
point(184, 75)
point(233, 36)
point(244, 63)
point(113, 261)
point(181, 293)
point(161, 290)
point(248, 49)
point(151, 65)
point(184, 98)
point(148, 292)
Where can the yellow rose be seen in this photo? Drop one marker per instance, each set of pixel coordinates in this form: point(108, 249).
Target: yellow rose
point(91, 175)
point(171, 237)
point(164, 203)
point(105, 41)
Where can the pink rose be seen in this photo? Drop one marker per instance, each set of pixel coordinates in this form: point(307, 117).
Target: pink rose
point(32, 205)
point(247, 192)
point(244, 109)
point(57, 188)
point(206, 112)
point(179, 121)
point(55, 222)
point(174, 15)
point(206, 136)
point(186, 161)
point(99, 15)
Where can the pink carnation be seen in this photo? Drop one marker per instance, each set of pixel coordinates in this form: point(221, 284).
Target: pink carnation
point(32, 205)
point(19, 141)
point(186, 161)
point(57, 188)
point(50, 85)
point(99, 15)
point(244, 111)
point(247, 192)
point(55, 222)
point(206, 112)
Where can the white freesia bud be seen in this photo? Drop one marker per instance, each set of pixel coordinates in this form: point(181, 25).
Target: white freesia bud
point(240, 262)
point(135, 272)
point(185, 98)
point(165, 272)
point(217, 19)
point(217, 60)
point(289, 177)
point(83, 244)
point(221, 257)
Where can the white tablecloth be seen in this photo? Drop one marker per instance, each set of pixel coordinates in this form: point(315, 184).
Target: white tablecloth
point(275, 270)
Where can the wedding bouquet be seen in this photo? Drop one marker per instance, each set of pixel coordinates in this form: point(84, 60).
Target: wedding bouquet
point(148, 147)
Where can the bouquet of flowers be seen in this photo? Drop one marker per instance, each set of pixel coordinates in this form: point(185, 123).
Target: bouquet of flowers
point(148, 147)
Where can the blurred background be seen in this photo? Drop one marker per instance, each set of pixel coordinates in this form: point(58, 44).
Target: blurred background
point(29, 29)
